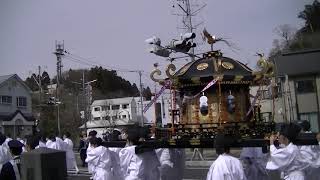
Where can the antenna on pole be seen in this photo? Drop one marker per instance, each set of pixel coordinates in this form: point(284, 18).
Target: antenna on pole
point(59, 53)
point(188, 10)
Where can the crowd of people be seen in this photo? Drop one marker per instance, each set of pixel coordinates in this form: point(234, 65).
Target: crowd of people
point(292, 161)
point(134, 162)
point(11, 149)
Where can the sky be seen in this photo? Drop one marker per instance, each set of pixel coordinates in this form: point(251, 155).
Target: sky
point(113, 33)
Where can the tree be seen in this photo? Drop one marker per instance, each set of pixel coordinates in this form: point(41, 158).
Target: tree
point(31, 83)
point(311, 15)
point(308, 37)
point(147, 93)
point(286, 32)
point(45, 80)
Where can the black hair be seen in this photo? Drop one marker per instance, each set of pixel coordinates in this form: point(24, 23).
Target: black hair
point(291, 132)
point(222, 144)
point(32, 142)
point(67, 134)
point(305, 125)
point(95, 141)
point(133, 136)
point(93, 133)
point(52, 137)
point(2, 138)
point(144, 132)
point(16, 150)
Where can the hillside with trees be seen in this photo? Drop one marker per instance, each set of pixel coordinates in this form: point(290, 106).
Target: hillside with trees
point(307, 37)
point(108, 85)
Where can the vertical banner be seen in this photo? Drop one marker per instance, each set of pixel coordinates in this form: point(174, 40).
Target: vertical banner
point(254, 101)
point(156, 96)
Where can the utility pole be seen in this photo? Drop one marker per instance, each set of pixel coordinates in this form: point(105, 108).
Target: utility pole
point(40, 91)
point(86, 92)
point(141, 98)
point(59, 53)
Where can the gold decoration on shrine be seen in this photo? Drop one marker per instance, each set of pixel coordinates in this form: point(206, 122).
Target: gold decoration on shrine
point(202, 66)
point(156, 72)
point(171, 68)
point(227, 65)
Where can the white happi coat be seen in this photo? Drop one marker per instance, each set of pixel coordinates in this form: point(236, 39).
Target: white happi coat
point(41, 144)
point(289, 161)
point(254, 163)
point(70, 157)
point(5, 155)
point(53, 145)
point(166, 165)
point(312, 155)
point(5, 143)
point(132, 165)
point(226, 167)
point(90, 166)
point(61, 144)
point(100, 158)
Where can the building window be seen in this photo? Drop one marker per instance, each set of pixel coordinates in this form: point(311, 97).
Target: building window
point(305, 86)
point(125, 106)
point(124, 116)
point(105, 108)
point(21, 102)
point(264, 94)
point(115, 107)
point(312, 118)
point(5, 99)
point(96, 109)
point(96, 118)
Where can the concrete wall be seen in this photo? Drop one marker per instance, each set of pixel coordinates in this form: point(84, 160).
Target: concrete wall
point(14, 88)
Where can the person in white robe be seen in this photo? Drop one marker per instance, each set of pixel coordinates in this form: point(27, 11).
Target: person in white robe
point(132, 165)
point(61, 144)
point(52, 143)
point(5, 144)
point(92, 134)
point(166, 165)
point(225, 167)
point(70, 157)
point(42, 141)
point(310, 153)
point(5, 155)
point(254, 162)
point(100, 158)
point(287, 159)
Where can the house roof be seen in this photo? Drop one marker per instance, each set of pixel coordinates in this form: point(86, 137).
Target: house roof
point(5, 78)
point(113, 101)
point(10, 116)
point(298, 63)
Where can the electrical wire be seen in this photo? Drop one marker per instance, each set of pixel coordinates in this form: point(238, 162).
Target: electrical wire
point(94, 63)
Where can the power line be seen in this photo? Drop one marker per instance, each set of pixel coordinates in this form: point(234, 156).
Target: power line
point(87, 61)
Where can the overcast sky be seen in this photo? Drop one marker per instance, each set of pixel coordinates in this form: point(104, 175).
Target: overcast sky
point(113, 32)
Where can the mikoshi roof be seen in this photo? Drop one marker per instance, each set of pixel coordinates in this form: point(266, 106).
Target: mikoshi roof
point(205, 69)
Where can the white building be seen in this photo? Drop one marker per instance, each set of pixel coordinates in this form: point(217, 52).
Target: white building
point(298, 87)
point(107, 113)
point(16, 117)
point(123, 112)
